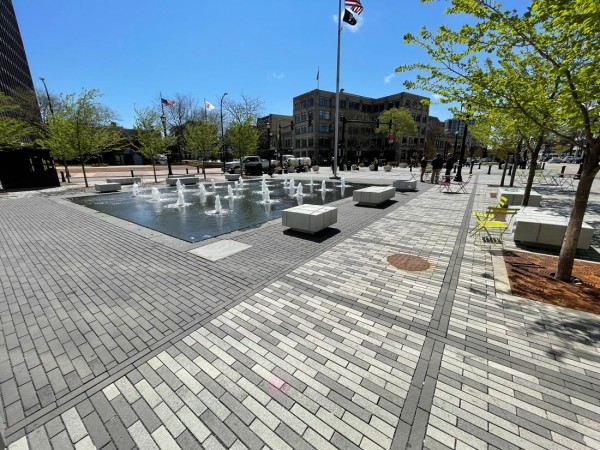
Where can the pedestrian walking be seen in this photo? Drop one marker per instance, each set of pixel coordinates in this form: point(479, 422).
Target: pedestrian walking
point(423, 168)
point(436, 167)
point(449, 164)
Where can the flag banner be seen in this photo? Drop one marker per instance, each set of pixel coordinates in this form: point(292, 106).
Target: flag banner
point(209, 105)
point(349, 18)
point(318, 70)
point(165, 102)
point(354, 6)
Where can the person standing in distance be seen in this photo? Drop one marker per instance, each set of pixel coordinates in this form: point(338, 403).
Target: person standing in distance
point(436, 167)
point(423, 168)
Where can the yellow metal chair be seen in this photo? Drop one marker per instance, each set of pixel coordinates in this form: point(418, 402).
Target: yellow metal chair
point(493, 224)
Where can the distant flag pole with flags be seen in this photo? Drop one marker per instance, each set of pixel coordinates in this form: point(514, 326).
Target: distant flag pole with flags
point(208, 106)
point(318, 80)
point(348, 17)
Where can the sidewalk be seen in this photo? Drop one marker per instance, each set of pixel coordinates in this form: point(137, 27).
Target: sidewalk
point(114, 340)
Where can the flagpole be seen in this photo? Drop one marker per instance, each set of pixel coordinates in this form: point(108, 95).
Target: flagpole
point(163, 119)
point(337, 93)
point(205, 112)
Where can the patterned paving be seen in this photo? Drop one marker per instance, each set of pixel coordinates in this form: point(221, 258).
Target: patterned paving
point(332, 348)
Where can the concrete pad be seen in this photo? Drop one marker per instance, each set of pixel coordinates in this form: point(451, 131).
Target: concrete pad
point(219, 250)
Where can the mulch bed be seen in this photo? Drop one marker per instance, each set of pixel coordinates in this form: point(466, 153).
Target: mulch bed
point(530, 276)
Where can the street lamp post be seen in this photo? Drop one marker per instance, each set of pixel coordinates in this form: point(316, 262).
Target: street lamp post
point(222, 133)
point(458, 176)
point(52, 112)
point(163, 120)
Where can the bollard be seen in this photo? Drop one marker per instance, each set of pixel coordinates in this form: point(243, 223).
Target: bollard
point(187, 172)
point(410, 170)
point(197, 169)
point(510, 169)
point(562, 171)
point(489, 169)
point(479, 164)
point(131, 173)
point(62, 176)
point(543, 165)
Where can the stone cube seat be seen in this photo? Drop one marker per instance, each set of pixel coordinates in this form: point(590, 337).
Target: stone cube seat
point(309, 218)
point(514, 196)
point(232, 176)
point(536, 226)
point(125, 180)
point(405, 185)
point(107, 187)
point(182, 180)
point(373, 195)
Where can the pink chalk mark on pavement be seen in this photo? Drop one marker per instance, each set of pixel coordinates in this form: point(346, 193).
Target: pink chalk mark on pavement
point(278, 384)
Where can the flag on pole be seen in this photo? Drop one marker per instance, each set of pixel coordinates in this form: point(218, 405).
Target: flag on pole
point(208, 105)
point(318, 70)
point(349, 18)
point(354, 6)
point(165, 102)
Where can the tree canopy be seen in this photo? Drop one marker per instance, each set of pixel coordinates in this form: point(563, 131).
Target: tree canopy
point(148, 134)
point(243, 137)
point(202, 140)
point(539, 66)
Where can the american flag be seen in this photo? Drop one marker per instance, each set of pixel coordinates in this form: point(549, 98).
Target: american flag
point(354, 6)
point(165, 102)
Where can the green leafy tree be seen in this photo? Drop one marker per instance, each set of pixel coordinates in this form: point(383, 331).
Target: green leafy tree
point(541, 65)
point(14, 129)
point(148, 134)
point(243, 137)
point(81, 128)
point(402, 124)
point(202, 140)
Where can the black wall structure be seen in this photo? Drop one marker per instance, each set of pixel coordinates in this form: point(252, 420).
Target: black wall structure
point(27, 169)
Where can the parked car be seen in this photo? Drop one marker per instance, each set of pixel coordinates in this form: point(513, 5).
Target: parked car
point(161, 159)
point(253, 165)
point(554, 159)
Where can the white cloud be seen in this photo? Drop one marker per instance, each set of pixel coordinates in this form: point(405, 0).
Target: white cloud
point(389, 78)
point(437, 97)
point(278, 76)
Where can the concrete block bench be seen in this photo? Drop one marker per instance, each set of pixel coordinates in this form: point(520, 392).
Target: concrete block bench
point(107, 187)
point(182, 180)
point(232, 176)
point(125, 180)
point(309, 218)
point(536, 226)
point(405, 185)
point(514, 196)
point(373, 195)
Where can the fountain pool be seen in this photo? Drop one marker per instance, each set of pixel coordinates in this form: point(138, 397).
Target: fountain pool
point(197, 219)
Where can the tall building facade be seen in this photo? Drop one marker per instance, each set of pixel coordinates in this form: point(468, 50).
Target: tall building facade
point(15, 76)
point(314, 127)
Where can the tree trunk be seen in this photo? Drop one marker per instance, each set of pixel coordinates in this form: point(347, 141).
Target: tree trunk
point(154, 169)
point(534, 156)
point(204, 167)
point(569, 246)
point(504, 171)
point(84, 175)
point(67, 174)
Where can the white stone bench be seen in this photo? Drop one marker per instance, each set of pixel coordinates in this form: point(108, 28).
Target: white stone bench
point(232, 176)
point(309, 218)
point(125, 180)
point(536, 226)
point(182, 180)
point(405, 185)
point(373, 195)
point(514, 196)
point(107, 187)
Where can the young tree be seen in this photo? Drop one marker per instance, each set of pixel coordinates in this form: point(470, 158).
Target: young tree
point(81, 128)
point(397, 121)
point(186, 109)
point(148, 134)
point(542, 64)
point(202, 140)
point(243, 137)
point(14, 130)
point(239, 111)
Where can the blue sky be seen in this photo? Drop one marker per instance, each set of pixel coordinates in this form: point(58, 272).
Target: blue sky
point(132, 49)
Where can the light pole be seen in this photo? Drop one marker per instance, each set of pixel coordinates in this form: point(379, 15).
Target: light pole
point(163, 119)
point(43, 80)
point(222, 133)
point(458, 176)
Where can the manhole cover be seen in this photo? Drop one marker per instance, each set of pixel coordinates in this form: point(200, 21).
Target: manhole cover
point(408, 262)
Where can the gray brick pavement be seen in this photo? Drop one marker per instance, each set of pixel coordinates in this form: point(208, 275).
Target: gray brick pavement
point(333, 351)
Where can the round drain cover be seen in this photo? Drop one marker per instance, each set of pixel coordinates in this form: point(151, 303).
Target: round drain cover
point(408, 262)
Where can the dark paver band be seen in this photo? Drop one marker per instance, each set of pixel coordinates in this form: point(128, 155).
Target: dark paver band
point(117, 301)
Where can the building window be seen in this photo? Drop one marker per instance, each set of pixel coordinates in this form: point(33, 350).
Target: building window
point(324, 115)
point(303, 117)
point(303, 104)
point(311, 142)
point(296, 106)
point(297, 143)
point(311, 102)
point(324, 142)
point(342, 104)
point(325, 101)
point(324, 128)
point(297, 118)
